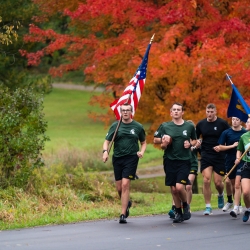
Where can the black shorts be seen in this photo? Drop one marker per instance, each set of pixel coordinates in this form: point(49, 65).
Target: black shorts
point(125, 166)
point(176, 171)
point(193, 171)
point(237, 170)
point(218, 164)
point(245, 170)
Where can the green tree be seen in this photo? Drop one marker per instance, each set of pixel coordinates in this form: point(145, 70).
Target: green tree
point(22, 135)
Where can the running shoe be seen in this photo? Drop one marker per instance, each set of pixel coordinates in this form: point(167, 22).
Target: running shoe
point(186, 212)
point(171, 214)
point(246, 216)
point(127, 210)
point(122, 219)
point(208, 211)
point(178, 218)
point(235, 212)
point(227, 206)
point(220, 201)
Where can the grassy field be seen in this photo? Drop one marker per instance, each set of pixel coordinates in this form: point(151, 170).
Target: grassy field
point(65, 193)
point(72, 132)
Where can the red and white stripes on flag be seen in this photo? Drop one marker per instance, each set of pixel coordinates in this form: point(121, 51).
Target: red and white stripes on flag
point(133, 91)
point(131, 95)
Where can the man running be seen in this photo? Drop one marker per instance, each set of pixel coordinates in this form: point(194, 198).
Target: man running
point(126, 155)
point(212, 162)
point(174, 137)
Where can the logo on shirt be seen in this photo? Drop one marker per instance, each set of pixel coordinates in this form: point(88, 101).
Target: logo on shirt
point(132, 131)
point(185, 132)
point(215, 128)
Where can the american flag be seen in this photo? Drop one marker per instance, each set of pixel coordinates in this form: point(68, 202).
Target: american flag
point(133, 91)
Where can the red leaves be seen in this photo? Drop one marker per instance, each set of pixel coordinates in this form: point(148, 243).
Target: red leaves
point(196, 43)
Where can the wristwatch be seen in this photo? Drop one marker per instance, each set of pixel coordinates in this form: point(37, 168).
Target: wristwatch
point(104, 150)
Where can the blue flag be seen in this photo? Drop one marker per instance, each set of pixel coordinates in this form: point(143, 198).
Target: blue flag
point(237, 106)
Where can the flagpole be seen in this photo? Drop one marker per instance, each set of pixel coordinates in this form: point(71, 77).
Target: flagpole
point(229, 78)
point(234, 166)
point(119, 123)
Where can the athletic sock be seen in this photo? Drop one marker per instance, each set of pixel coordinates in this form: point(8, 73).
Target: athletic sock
point(229, 199)
point(184, 204)
point(173, 207)
point(208, 205)
point(179, 210)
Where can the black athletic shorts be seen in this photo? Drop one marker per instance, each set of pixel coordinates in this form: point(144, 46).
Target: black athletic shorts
point(218, 164)
point(176, 171)
point(125, 166)
point(237, 170)
point(193, 171)
point(245, 170)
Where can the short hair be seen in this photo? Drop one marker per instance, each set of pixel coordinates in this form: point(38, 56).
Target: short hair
point(179, 104)
point(211, 106)
point(126, 104)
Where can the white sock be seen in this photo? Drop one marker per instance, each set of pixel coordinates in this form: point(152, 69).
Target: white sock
point(208, 205)
point(236, 207)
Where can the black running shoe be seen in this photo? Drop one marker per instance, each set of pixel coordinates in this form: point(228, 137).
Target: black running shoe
point(186, 212)
point(122, 219)
point(127, 210)
point(178, 218)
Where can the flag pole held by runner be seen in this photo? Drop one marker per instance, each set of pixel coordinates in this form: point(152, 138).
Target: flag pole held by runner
point(234, 166)
point(132, 92)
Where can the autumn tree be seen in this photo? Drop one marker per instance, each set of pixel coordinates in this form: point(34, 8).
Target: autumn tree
point(196, 43)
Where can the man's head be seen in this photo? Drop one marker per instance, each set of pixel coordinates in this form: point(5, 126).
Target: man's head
point(176, 110)
point(248, 124)
point(211, 112)
point(126, 111)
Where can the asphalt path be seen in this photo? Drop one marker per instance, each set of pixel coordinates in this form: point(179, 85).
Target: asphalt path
point(217, 231)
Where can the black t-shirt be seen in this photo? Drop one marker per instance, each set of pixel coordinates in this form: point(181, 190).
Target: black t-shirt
point(210, 133)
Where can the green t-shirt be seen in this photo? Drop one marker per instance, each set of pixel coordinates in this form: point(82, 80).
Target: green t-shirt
point(179, 134)
point(127, 137)
point(243, 145)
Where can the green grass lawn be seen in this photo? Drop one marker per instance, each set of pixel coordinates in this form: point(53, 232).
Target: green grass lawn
point(70, 127)
point(68, 123)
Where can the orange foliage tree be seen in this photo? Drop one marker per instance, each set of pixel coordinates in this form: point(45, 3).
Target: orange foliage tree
point(196, 43)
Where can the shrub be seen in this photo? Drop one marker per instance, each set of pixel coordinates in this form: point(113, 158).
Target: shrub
point(22, 135)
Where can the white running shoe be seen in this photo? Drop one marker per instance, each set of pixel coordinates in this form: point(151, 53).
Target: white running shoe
point(235, 212)
point(227, 206)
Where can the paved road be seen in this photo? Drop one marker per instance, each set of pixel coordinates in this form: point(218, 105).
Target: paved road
point(218, 231)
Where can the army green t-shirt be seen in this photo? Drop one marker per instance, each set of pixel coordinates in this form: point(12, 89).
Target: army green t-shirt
point(179, 134)
point(243, 145)
point(127, 137)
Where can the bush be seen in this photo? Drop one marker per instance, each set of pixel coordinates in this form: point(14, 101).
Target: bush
point(22, 135)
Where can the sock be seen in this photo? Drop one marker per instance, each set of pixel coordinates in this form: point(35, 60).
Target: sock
point(208, 205)
point(229, 199)
point(184, 204)
point(221, 194)
point(173, 207)
point(179, 210)
point(236, 207)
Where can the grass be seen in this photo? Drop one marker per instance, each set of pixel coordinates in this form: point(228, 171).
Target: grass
point(66, 193)
point(72, 132)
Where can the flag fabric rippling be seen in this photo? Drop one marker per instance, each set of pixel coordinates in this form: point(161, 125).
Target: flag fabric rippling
point(133, 91)
point(237, 106)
